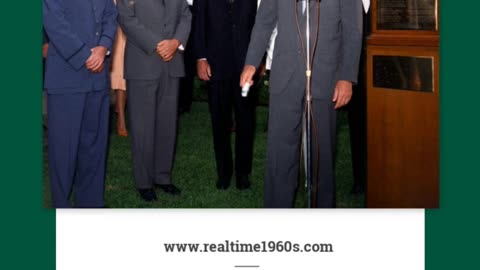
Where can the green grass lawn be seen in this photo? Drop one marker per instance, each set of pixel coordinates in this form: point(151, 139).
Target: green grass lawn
point(195, 173)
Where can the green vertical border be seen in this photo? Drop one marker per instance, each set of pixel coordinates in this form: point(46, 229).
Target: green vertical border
point(27, 236)
point(452, 232)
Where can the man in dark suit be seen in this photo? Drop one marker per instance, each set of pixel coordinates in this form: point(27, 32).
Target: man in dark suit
point(80, 35)
point(221, 34)
point(186, 83)
point(156, 31)
point(357, 119)
point(335, 68)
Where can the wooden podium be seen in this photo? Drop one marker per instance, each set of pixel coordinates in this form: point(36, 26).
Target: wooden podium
point(403, 105)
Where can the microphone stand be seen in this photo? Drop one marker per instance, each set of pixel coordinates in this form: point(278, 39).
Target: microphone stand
point(308, 104)
point(310, 183)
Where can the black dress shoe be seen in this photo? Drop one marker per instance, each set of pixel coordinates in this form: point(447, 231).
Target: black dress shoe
point(223, 184)
point(243, 182)
point(170, 189)
point(148, 194)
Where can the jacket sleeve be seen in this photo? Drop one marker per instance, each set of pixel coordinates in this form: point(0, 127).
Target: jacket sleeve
point(183, 29)
point(352, 25)
point(109, 25)
point(199, 34)
point(265, 22)
point(62, 36)
point(134, 29)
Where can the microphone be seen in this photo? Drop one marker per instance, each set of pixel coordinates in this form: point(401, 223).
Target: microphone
point(245, 89)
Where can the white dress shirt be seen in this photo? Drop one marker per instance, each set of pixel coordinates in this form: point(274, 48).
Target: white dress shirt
point(271, 45)
point(366, 5)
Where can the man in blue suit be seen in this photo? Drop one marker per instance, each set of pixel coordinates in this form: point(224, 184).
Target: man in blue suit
point(81, 33)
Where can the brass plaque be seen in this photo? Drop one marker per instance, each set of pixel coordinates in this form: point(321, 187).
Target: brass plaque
point(403, 73)
point(407, 15)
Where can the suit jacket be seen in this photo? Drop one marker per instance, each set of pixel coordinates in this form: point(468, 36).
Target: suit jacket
point(146, 23)
point(221, 34)
point(338, 49)
point(73, 28)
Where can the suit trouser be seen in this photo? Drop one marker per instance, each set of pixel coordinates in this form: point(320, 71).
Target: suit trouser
point(152, 113)
point(357, 122)
point(283, 148)
point(222, 95)
point(77, 145)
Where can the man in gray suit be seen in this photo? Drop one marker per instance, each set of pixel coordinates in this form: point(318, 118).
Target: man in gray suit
point(156, 32)
point(334, 70)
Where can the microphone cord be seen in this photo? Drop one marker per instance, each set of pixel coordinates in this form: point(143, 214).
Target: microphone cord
point(308, 61)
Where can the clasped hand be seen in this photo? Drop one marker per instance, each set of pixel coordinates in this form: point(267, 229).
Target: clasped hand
point(96, 60)
point(166, 49)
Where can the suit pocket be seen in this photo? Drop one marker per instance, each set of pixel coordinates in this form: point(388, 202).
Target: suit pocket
point(60, 74)
point(283, 66)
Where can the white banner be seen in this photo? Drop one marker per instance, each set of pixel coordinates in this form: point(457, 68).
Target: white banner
point(137, 239)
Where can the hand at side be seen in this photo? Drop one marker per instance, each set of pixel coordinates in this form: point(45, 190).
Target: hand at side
point(342, 93)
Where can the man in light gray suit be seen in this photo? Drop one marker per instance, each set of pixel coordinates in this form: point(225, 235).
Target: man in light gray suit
point(334, 70)
point(156, 32)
